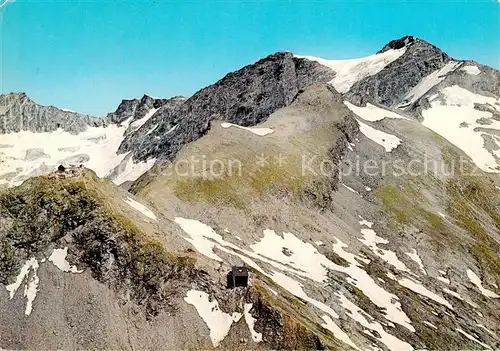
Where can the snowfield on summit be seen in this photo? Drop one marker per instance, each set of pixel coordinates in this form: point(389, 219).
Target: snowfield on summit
point(246, 216)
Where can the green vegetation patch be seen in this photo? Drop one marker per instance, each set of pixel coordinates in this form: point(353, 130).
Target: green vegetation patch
point(474, 206)
point(255, 182)
point(403, 206)
point(44, 210)
point(214, 191)
point(396, 202)
point(487, 257)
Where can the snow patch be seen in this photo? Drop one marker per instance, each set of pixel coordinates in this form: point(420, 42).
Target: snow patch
point(140, 122)
point(200, 235)
point(171, 129)
point(152, 129)
point(485, 329)
point(96, 148)
point(256, 337)
point(387, 339)
point(31, 285)
point(470, 69)
point(338, 248)
point(303, 260)
point(428, 82)
point(311, 264)
point(217, 321)
point(379, 296)
point(372, 113)
point(445, 119)
point(295, 288)
point(470, 337)
point(430, 325)
point(339, 333)
point(371, 239)
point(348, 72)
point(30, 291)
point(420, 289)
point(387, 141)
point(364, 222)
point(302, 256)
point(58, 258)
point(416, 258)
point(477, 282)
point(453, 293)
point(133, 170)
point(141, 208)
point(350, 189)
point(256, 131)
point(126, 123)
point(444, 280)
point(67, 110)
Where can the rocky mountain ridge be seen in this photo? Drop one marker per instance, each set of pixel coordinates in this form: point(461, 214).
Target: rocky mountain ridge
point(391, 84)
point(245, 97)
point(18, 112)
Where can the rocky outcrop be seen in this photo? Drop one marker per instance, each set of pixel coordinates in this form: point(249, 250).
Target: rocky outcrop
point(487, 82)
point(18, 112)
point(139, 135)
point(389, 86)
point(51, 212)
point(245, 97)
point(135, 109)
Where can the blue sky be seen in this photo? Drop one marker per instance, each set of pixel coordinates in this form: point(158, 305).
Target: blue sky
point(88, 55)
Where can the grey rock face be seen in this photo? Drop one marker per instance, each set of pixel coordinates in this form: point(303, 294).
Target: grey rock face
point(18, 112)
point(245, 97)
point(487, 108)
point(34, 154)
point(136, 138)
point(400, 43)
point(390, 85)
point(487, 82)
point(75, 159)
point(69, 149)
